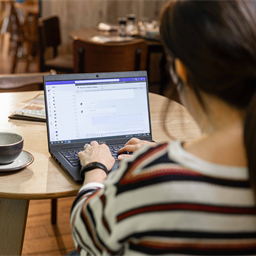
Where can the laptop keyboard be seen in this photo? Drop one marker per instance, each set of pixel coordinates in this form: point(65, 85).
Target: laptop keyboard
point(71, 154)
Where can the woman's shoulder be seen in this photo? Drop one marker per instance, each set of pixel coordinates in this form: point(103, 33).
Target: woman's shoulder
point(220, 148)
point(170, 159)
point(147, 162)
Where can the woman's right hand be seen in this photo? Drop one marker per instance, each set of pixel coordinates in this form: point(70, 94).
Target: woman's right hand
point(131, 146)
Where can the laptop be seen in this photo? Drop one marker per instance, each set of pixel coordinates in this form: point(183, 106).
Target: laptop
point(110, 108)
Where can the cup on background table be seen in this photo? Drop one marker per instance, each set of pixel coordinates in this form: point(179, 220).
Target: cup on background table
point(122, 26)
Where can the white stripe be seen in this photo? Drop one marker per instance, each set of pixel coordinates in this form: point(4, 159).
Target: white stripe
point(130, 252)
point(181, 156)
point(182, 191)
point(91, 185)
point(134, 253)
point(83, 232)
point(186, 221)
point(78, 205)
point(96, 207)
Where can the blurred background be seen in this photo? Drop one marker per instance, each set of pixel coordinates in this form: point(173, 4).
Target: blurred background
point(21, 45)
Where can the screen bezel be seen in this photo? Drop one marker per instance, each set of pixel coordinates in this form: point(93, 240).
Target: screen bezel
point(87, 76)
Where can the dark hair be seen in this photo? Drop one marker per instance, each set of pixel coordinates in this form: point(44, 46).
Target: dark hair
point(216, 41)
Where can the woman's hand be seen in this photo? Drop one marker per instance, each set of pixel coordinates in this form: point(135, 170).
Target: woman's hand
point(97, 153)
point(131, 146)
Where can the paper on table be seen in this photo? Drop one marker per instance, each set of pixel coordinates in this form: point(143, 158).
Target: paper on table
point(33, 110)
point(107, 27)
point(109, 39)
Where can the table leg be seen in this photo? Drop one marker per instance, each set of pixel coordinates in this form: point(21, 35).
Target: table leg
point(13, 218)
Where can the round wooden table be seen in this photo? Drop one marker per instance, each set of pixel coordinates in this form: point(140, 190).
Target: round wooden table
point(44, 178)
point(86, 34)
point(154, 47)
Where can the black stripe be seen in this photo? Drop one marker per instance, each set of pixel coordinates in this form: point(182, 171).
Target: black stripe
point(94, 223)
point(192, 207)
point(81, 194)
point(181, 177)
point(90, 213)
point(80, 238)
point(164, 159)
point(129, 163)
point(192, 251)
point(104, 216)
point(88, 230)
point(191, 234)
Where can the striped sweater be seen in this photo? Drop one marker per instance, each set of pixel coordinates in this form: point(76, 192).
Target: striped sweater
point(164, 200)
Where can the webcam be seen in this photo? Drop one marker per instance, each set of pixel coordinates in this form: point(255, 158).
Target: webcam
point(97, 75)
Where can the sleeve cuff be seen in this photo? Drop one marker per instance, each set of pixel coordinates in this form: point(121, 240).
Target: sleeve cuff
point(90, 185)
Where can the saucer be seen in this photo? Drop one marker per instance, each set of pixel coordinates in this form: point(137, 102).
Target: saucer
point(22, 161)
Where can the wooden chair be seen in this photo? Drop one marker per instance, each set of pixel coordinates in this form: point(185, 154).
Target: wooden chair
point(90, 57)
point(49, 36)
point(23, 35)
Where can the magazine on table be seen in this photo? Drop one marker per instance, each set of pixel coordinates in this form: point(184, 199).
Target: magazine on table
point(32, 110)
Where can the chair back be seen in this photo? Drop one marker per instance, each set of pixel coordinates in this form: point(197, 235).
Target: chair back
point(11, 22)
point(90, 57)
point(49, 33)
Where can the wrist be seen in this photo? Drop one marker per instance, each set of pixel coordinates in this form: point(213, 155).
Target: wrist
point(95, 175)
point(93, 166)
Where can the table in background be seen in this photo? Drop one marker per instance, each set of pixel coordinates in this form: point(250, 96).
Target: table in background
point(87, 33)
point(153, 47)
point(44, 178)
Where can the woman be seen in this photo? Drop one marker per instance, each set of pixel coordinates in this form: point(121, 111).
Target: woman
point(185, 198)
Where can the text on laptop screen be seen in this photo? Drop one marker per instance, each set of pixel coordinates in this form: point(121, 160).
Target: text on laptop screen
point(98, 108)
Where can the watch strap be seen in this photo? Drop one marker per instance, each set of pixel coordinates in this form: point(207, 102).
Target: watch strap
point(91, 166)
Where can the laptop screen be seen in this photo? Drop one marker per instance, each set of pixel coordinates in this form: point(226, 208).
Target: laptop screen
point(94, 109)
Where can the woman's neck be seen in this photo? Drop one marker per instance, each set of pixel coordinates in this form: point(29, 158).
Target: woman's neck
point(222, 127)
point(219, 116)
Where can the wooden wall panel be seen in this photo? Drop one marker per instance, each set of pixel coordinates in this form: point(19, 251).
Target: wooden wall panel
point(77, 14)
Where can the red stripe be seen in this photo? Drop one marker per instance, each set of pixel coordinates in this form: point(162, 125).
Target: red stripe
point(84, 245)
point(103, 200)
point(148, 155)
point(197, 245)
point(188, 207)
point(127, 177)
point(161, 172)
point(92, 231)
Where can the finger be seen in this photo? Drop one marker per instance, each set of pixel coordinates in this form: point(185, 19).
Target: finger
point(104, 145)
point(82, 154)
point(133, 141)
point(121, 157)
point(128, 148)
point(94, 143)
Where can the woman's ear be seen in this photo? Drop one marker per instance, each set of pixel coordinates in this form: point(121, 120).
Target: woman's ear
point(181, 70)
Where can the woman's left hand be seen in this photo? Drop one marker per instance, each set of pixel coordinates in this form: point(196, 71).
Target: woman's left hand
point(97, 153)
